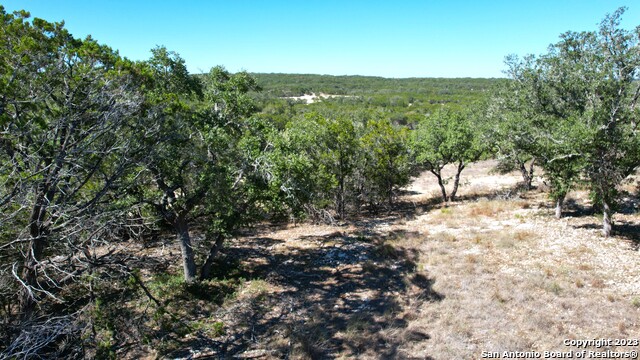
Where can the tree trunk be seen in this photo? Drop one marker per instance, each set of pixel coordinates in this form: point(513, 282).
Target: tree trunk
point(527, 174)
point(606, 219)
point(188, 258)
point(389, 173)
point(357, 202)
point(441, 183)
point(213, 252)
point(531, 168)
point(37, 242)
point(559, 203)
point(30, 275)
point(341, 200)
point(456, 181)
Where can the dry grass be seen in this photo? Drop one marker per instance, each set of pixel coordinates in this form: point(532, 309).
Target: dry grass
point(486, 273)
point(515, 279)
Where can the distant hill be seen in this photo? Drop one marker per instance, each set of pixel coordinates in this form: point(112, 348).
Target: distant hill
point(300, 84)
point(407, 99)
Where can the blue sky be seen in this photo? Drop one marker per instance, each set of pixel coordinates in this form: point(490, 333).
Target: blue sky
point(397, 38)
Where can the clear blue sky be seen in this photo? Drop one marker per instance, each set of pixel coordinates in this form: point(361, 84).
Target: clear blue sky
point(394, 38)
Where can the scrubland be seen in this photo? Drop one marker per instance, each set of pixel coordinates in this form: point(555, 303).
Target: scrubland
point(492, 272)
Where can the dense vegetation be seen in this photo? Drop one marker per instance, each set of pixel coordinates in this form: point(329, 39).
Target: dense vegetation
point(429, 89)
point(96, 150)
point(402, 101)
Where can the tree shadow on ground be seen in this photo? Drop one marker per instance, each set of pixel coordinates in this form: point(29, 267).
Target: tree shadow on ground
point(572, 208)
point(330, 296)
point(407, 209)
point(333, 296)
point(628, 231)
point(627, 205)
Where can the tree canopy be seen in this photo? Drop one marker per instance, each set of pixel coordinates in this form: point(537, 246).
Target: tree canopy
point(447, 137)
point(580, 100)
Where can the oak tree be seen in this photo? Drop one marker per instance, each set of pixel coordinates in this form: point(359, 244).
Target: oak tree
point(583, 95)
point(446, 137)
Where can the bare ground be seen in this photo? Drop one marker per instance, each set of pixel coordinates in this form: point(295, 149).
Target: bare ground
point(492, 272)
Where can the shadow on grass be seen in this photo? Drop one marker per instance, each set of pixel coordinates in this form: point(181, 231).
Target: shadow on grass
point(339, 295)
point(574, 209)
point(404, 209)
point(626, 231)
point(630, 232)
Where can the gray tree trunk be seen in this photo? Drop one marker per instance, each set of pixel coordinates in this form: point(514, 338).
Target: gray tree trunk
point(37, 242)
point(559, 204)
point(527, 174)
point(456, 181)
point(213, 252)
point(606, 219)
point(188, 258)
point(441, 183)
point(341, 198)
point(30, 275)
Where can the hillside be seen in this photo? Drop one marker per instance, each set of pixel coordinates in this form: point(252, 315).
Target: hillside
point(405, 96)
point(300, 84)
point(150, 212)
point(403, 101)
point(491, 272)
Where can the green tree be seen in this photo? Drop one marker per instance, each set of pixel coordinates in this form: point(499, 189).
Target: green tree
point(337, 162)
point(524, 130)
point(340, 144)
point(195, 168)
point(316, 159)
point(177, 162)
point(447, 137)
point(583, 94)
point(298, 181)
point(66, 107)
point(510, 129)
point(386, 166)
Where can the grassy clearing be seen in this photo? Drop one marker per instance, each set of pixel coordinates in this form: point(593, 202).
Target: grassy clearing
point(513, 280)
point(486, 273)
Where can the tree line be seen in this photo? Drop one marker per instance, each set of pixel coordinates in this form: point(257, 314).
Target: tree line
point(96, 149)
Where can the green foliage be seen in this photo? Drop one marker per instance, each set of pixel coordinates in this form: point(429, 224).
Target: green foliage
point(579, 104)
point(386, 166)
point(387, 90)
point(218, 328)
point(402, 101)
point(172, 290)
point(443, 138)
point(311, 161)
point(206, 158)
point(66, 111)
point(94, 146)
point(447, 137)
point(104, 330)
point(511, 134)
point(339, 162)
